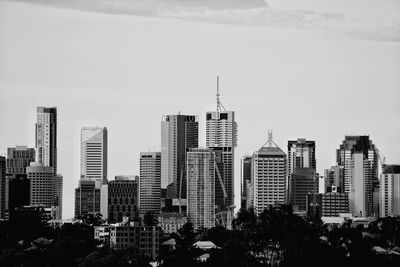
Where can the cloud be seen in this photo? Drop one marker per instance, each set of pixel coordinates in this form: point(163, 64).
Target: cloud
point(242, 12)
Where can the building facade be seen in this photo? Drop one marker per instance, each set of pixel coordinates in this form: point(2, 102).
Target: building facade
point(221, 136)
point(245, 168)
point(268, 176)
point(334, 203)
point(178, 134)
point(389, 191)
point(3, 189)
point(301, 154)
point(87, 197)
point(171, 222)
point(94, 150)
point(150, 182)
point(302, 181)
point(201, 187)
point(41, 179)
point(123, 199)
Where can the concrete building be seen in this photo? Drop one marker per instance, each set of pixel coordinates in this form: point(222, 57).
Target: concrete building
point(18, 158)
point(221, 136)
point(87, 197)
point(361, 186)
point(123, 198)
point(46, 152)
point(150, 182)
point(102, 234)
point(171, 222)
point(142, 240)
point(94, 150)
point(334, 177)
point(269, 176)
point(301, 154)
point(41, 179)
point(302, 181)
point(245, 168)
point(334, 203)
point(3, 189)
point(389, 194)
point(201, 187)
point(178, 134)
point(344, 156)
point(19, 190)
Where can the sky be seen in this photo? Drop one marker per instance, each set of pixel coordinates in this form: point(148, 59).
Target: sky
point(315, 69)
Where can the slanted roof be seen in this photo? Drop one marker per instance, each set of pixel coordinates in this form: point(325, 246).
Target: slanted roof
point(204, 245)
point(169, 242)
point(270, 147)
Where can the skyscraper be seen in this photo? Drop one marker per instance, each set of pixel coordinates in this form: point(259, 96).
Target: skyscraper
point(350, 145)
point(178, 134)
point(302, 181)
point(3, 190)
point(389, 191)
point(221, 136)
point(94, 147)
point(42, 191)
point(123, 198)
point(18, 158)
point(201, 187)
point(359, 158)
point(334, 177)
point(301, 154)
point(245, 179)
point(150, 182)
point(87, 197)
point(269, 176)
point(46, 157)
point(46, 137)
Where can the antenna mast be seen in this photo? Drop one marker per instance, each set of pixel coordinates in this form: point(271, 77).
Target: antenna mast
point(218, 95)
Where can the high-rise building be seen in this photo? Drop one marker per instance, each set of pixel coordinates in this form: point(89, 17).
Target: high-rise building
point(301, 154)
point(87, 197)
point(178, 134)
point(94, 147)
point(245, 180)
point(19, 189)
point(221, 136)
point(361, 174)
point(389, 191)
point(46, 137)
point(334, 202)
point(344, 156)
point(41, 185)
point(201, 187)
point(18, 158)
point(302, 181)
point(46, 154)
point(150, 182)
point(269, 176)
point(3, 190)
point(123, 198)
point(334, 177)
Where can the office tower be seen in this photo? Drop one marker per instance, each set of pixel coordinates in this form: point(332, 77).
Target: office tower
point(123, 198)
point(245, 180)
point(178, 134)
point(389, 191)
point(94, 147)
point(150, 182)
point(334, 177)
point(301, 154)
point(46, 137)
point(221, 136)
point(302, 181)
point(334, 202)
point(19, 189)
point(201, 187)
point(269, 176)
point(314, 206)
point(58, 195)
point(351, 145)
point(18, 158)
point(361, 174)
point(42, 185)
point(87, 197)
point(3, 190)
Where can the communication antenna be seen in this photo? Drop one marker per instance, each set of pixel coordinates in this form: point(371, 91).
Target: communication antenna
point(219, 104)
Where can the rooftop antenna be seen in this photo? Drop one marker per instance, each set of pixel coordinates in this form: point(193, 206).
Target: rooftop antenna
point(270, 137)
point(219, 104)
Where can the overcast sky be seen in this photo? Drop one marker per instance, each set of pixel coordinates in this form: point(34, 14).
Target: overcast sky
point(319, 70)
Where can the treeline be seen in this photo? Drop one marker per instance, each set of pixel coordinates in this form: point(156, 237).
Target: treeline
point(277, 237)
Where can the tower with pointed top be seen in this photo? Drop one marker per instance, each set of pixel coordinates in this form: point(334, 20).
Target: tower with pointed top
point(268, 176)
point(221, 136)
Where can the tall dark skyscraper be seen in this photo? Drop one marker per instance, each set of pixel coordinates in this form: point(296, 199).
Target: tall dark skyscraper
point(301, 154)
point(245, 180)
point(123, 198)
point(2, 187)
point(179, 133)
point(358, 157)
point(18, 158)
point(149, 182)
point(221, 136)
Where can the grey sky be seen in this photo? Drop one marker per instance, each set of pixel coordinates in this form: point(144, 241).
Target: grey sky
point(319, 71)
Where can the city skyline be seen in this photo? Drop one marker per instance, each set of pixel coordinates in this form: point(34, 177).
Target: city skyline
point(110, 70)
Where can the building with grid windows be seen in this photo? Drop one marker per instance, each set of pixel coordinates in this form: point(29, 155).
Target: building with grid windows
point(123, 199)
point(150, 182)
point(389, 194)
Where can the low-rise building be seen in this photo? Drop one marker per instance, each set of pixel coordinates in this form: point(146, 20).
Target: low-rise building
point(171, 222)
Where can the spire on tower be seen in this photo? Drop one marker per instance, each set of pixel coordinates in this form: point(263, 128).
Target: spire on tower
point(219, 104)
